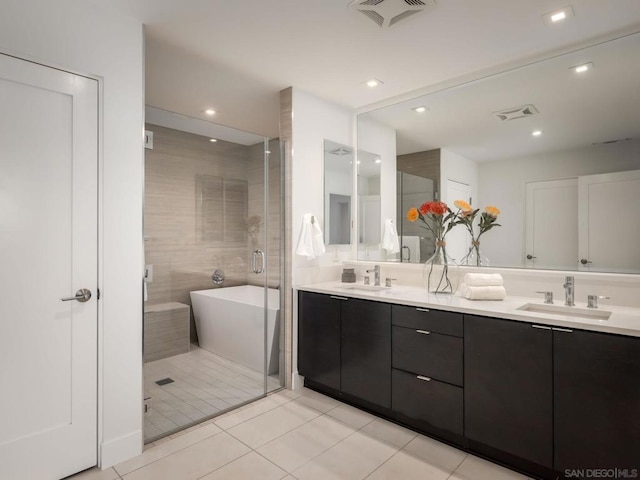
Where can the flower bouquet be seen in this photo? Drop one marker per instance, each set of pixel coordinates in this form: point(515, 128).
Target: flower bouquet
point(437, 218)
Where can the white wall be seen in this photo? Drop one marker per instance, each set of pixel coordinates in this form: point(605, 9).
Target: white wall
point(80, 36)
point(314, 120)
point(502, 184)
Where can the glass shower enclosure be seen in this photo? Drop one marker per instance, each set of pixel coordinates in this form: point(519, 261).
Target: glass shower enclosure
point(213, 221)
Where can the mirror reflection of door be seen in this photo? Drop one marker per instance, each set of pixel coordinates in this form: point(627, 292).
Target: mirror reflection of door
point(551, 214)
point(605, 201)
point(340, 219)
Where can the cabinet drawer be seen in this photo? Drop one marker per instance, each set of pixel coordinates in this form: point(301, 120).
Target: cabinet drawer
point(427, 353)
point(427, 405)
point(448, 323)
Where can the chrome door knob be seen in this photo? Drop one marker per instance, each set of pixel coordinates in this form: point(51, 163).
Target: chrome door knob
point(82, 295)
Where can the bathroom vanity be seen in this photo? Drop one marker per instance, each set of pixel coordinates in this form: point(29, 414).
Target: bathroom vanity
point(543, 393)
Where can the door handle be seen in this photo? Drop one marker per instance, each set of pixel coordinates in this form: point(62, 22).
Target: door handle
point(530, 257)
point(82, 295)
point(584, 261)
point(257, 267)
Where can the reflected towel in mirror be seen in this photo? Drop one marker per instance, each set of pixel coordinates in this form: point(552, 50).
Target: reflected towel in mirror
point(390, 241)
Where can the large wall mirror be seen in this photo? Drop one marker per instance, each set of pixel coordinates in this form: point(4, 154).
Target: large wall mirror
point(338, 190)
point(555, 145)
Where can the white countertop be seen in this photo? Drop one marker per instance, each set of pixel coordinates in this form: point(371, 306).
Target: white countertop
point(623, 320)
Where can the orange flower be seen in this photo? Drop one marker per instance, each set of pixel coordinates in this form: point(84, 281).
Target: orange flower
point(493, 211)
point(412, 214)
point(462, 205)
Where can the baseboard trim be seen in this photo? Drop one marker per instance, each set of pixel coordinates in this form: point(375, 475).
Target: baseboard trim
point(120, 449)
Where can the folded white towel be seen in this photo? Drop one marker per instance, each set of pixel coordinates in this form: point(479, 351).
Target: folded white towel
point(390, 240)
point(310, 242)
point(483, 280)
point(482, 292)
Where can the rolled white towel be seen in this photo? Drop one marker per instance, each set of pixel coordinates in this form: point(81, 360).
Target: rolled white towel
point(492, 292)
point(483, 280)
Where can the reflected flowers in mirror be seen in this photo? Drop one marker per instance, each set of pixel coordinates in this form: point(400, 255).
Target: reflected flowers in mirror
point(466, 216)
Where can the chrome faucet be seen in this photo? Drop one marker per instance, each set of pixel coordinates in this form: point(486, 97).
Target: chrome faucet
point(376, 275)
point(569, 285)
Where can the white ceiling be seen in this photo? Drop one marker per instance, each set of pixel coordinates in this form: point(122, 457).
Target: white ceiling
point(237, 55)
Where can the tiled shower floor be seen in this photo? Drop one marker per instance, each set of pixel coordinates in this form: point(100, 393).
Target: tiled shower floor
point(203, 385)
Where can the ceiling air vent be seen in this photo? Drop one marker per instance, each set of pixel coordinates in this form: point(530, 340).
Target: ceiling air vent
point(516, 112)
point(386, 13)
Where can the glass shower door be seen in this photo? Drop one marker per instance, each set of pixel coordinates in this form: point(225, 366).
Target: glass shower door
point(212, 223)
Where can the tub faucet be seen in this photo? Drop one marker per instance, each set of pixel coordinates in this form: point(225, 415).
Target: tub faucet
point(569, 285)
point(376, 275)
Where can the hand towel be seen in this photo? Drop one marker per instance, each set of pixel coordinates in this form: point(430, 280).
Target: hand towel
point(482, 292)
point(483, 280)
point(390, 241)
point(310, 242)
point(318, 238)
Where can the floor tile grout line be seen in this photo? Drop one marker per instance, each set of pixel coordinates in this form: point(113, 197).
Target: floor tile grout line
point(380, 466)
point(169, 454)
point(251, 418)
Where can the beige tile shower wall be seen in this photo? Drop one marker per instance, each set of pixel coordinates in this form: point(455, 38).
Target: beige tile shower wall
point(256, 208)
point(182, 260)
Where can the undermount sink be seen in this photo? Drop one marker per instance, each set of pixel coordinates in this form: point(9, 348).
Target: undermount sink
point(585, 313)
point(366, 288)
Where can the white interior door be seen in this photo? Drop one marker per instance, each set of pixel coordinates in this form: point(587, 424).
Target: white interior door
point(458, 240)
point(551, 224)
point(48, 250)
point(609, 228)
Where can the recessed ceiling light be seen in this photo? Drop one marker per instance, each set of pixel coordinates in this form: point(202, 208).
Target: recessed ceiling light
point(374, 82)
point(420, 109)
point(558, 16)
point(585, 67)
point(209, 111)
point(358, 162)
point(378, 160)
point(536, 133)
point(213, 140)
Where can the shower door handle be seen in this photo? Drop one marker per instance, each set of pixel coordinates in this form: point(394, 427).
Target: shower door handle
point(257, 261)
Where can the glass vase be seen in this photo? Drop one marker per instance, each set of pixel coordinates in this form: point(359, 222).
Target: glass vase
point(474, 257)
point(441, 272)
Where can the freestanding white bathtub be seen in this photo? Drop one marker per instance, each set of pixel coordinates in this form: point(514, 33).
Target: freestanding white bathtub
point(230, 323)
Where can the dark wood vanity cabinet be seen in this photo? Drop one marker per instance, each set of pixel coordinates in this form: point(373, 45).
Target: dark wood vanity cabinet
point(319, 338)
point(596, 401)
point(345, 344)
point(366, 351)
point(428, 371)
point(545, 400)
point(508, 388)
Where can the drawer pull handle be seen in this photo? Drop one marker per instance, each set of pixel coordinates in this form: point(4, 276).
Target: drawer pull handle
point(542, 327)
point(339, 298)
point(562, 330)
point(424, 332)
point(422, 309)
point(424, 379)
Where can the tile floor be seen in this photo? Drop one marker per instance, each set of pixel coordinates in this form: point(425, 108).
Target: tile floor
point(300, 435)
point(204, 385)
